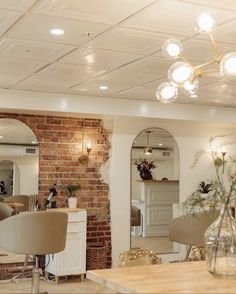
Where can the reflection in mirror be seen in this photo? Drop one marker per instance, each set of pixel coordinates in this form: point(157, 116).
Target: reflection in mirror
point(154, 190)
point(18, 168)
point(18, 159)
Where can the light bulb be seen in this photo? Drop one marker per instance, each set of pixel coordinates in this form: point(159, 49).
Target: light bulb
point(228, 64)
point(205, 22)
point(166, 92)
point(148, 151)
point(172, 48)
point(190, 87)
point(223, 149)
point(179, 73)
point(57, 32)
point(89, 145)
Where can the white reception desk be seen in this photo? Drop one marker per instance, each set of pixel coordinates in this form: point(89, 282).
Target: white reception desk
point(158, 198)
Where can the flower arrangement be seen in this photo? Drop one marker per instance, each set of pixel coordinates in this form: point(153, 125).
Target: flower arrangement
point(145, 165)
point(71, 188)
point(223, 186)
point(220, 237)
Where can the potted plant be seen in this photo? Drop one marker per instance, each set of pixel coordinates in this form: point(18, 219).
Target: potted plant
point(204, 189)
point(72, 199)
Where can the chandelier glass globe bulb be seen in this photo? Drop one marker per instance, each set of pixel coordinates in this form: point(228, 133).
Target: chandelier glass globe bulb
point(228, 64)
point(205, 23)
point(167, 93)
point(172, 48)
point(179, 73)
point(190, 87)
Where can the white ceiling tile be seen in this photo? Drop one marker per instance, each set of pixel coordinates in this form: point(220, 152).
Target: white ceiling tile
point(40, 26)
point(129, 40)
point(7, 19)
point(115, 81)
point(17, 5)
point(63, 75)
point(33, 50)
point(103, 11)
point(173, 17)
point(203, 50)
point(43, 84)
point(224, 4)
point(99, 58)
point(144, 92)
point(14, 70)
point(158, 66)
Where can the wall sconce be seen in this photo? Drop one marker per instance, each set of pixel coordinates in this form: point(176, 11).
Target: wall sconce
point(220, 158)
point(84, 158)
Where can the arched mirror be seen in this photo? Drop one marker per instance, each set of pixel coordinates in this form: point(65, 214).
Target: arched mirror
point(19, 162)
point(154, 190)
point(18, 158)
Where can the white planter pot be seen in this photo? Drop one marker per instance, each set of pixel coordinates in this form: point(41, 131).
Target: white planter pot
point(72, 202)
point(204, 195)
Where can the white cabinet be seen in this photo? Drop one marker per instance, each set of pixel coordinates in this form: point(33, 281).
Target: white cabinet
point(72, 260)
point(158, 197)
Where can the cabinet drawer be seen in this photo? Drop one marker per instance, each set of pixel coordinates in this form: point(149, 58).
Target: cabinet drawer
point(77, 216)
point(75, 227)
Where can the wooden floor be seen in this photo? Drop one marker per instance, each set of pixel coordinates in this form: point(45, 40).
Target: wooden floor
point(24, 286)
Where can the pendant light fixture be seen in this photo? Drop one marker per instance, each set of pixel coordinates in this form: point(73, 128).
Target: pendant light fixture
point(148, 149)
point(182, 75)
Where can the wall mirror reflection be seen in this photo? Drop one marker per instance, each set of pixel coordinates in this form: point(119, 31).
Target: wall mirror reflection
point(154, 190)
point(18, 158)
point(19, 162)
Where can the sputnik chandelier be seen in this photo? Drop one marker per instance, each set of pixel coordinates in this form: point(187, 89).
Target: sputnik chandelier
point(184, 76)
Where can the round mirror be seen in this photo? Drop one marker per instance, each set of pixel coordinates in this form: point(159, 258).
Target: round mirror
point(154, 190)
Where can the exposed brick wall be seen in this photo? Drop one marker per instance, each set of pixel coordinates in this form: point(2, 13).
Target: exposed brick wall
point(60, 140)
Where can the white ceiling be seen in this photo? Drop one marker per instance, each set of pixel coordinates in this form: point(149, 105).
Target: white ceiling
point(109, 42)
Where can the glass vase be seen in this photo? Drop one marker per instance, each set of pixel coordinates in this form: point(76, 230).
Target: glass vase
point(220, 245)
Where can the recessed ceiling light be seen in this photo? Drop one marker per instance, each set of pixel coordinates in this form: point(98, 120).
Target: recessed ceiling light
point(90, 58)
point(33, 142)
point(1, 137)
point(194, 96)
point(160, 144)
point(57, 31)
point(103, 87)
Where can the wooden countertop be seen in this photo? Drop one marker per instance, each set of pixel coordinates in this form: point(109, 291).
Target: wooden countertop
point(158, 181)
point(183, 277)
point(66, 209)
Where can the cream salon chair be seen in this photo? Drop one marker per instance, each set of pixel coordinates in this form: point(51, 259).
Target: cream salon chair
point(34, 233)
point(189, 229)
point(23, 199)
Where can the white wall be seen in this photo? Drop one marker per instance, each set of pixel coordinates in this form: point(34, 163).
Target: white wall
point(190, 137)
point(28, 167)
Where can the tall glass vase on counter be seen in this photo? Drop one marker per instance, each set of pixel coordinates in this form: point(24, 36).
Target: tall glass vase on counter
point(220, 245)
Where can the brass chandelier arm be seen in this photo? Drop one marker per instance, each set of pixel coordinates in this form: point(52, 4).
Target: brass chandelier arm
point(205, 64)
point(198, 68)
point(218, 55)
point(185, 60)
